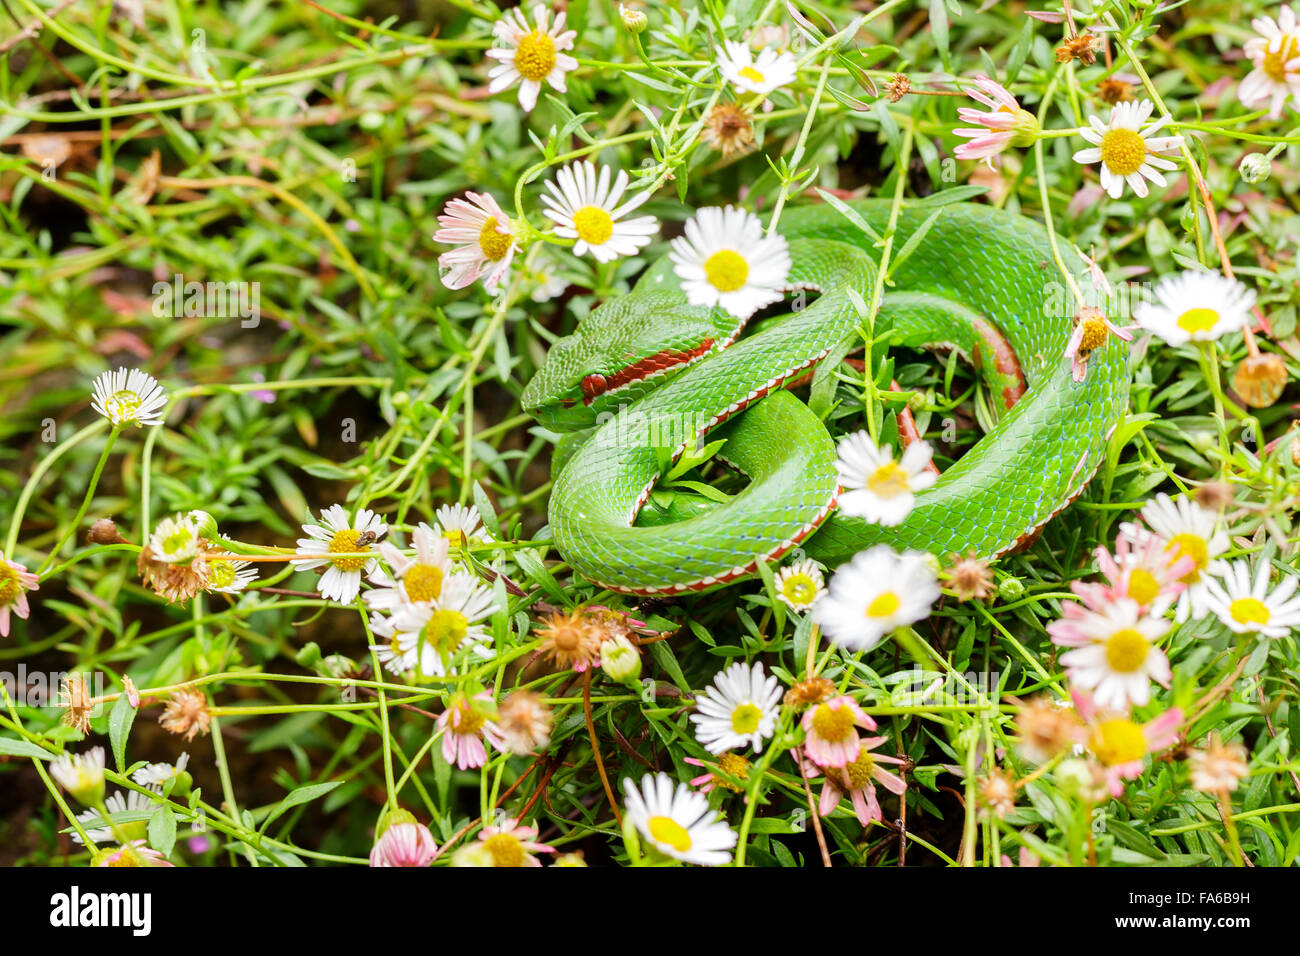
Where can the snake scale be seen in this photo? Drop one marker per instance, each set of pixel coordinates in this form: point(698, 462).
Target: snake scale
point(646, 370)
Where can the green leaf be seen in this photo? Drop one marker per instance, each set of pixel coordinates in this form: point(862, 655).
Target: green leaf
point(300, 796)
point(485, 511)
point(120, 719)
point(23, 748)
point(162, 830)
point(851, 215)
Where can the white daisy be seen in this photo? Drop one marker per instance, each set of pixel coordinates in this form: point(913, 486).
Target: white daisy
point(457, 521)
point(738, 709)
point(800, 585)
point(417, 582)
point(677, 821)
point(725, 260)
point(157, 774)
point(230, 577)
point(875, 486)
point(531, 55)
point(129, 397)
point(337, 534)
point(1276, 56)
point(1115, 654)
point(1125, 149)
point(1187, 529)
point(878, 591)
point(82, 775)
point(131, 801)
point(175, 540)
point(585, 208)
point(768, 72)
point(430, 636)
point(1248, 608)
point(484, 239)
point(392, 653)
point(1196, 306)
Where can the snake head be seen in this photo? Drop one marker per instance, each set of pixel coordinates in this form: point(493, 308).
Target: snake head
point(628, 347)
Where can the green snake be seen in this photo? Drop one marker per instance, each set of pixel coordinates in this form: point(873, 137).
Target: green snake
point(646, 371)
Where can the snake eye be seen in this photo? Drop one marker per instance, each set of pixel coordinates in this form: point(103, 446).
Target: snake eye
point(593, 385)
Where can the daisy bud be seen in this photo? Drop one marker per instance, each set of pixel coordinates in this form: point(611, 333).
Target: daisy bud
point(308, 655)
point(205, 523)
point(390, 816)
point(634, 20)
point(82, 775)
point(1255, 168)
point(104, 531)
point(569, 859)
point(1009, 588)
point(621, 661)
point(1260, 379)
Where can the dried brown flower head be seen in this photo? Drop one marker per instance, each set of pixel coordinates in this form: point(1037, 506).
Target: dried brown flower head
point(809, 692)
point(728, 129)
point(1112, 91)
point(572, 639)
point(524, 722)
point(1219, 767)
point(1215, 495)
point(970, 578)
point(1260, 379)
point(897, 87)
point(1082, 47)
point(78, 701)
point(186, 713)
point(997, 792)
point(1045, 729)
point(175, 582)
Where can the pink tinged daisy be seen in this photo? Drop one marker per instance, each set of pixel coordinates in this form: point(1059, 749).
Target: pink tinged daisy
point(137, 853)
point(339, 534)
point(414, 581)
point(129, 397)
point(831, 731)
point(1245, 606)
point(1121, 744)
point(769, 71)
point(1187, 530)
point(676, 821)
point(725, 260)
point(800, 585)
point(857, 779)
point(875, 486)
point(510, 845)
point(878, 592)
point(484, 240)
point(1139, 569)
point(465, 724)
point(1276, 56)
point(1196, 306)
point(1125, 149)
point(1092, 330)
point(1003, 125)
point(15, 582)
point(432, 636)
point(585, 207)
point(404, 844)
point(531, 55)
point(1114, 652)
point(739, 709)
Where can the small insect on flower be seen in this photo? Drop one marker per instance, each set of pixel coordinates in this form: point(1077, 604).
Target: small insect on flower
point(1246, 607)
point(1121, 744)
point(82, 775)
point(879, 591)
point(739, 709)
point(465, 724)
point(677, 821)
point(800, 585)
point(725, 260)
point(1196, 306)
point(129, 397)
point(1004, 124)
point(338, 534)
point(432, 635)
point(1188, 530)
point(830, 731)
point(1276, 56)
point(769, 71)
point(857, 779)
point(875, 486)
point(1126, 149)
point(1092, 330)
point(484, 239)
point(512, 845)
point(532, 55)
point(585, 207)
point(729, 129)
point(15, 582)
point(413, 582)
point(404, 844)
point(1115, 653)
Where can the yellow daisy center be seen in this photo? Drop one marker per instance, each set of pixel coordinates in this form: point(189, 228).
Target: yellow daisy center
point(126, 857)
point(832, 724)
point(753, 75)
point(726, 270)
point(593, 225)
point(423, 582)
point(1142, 586)
point(494, 244)
point(177, 542)
point(745, 718)
point(859, 771)
point(1123, 151)
point(535, 56)
point(668, 831)
point(1126, 650)
point(1193, 546)
point(10, 589)
point(1249, 611)
point(733, 765)
point(345, 542)
point(883, 605)
point(505, 850)
point(1197, 320)
point(123, 405)
point(1118, 741)
point(1274, 64)
point(445, 631)
point(889, 480)
point(799, 589)
point(1094, 335)
point(471, 720)
point(221, 574)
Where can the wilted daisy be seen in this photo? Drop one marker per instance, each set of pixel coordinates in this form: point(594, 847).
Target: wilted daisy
point(404, 844)
point(1276, 56)
point(728, 128)
point(532, 55)
point(1004, 124)
point(738, 709)
point(857, 779)
point(1219, 767)
point(875, 486)
point(15, 582)
point(1247, 607)
point(416, 581)
point(460, 521)
point(1196, 306)
point(1192, 531)
point(512, 845)
point(82, 775)
point(339, 534)
point(484, 240)
point(157, 774)
point(831, 731)
point(1126, 150)
point(525, 722)
point(879, 591)
point(230, 576)
point(431, 635)
point(769, 71)
point(800, 585)
point(585, 207)
point(465, 725)
point(1114, 652)
point(725, 260)
point(677, 821)
point(129, 397)
point(130, 801)
point(1120, 743)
